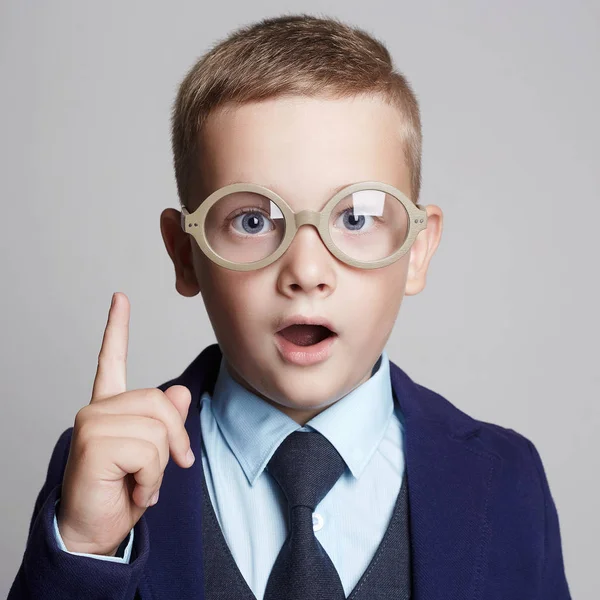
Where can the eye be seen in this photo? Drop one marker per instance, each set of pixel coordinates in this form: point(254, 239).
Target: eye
point(250, 221)
point(351, 222)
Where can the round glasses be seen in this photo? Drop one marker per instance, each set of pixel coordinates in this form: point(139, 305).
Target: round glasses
point(245, 226)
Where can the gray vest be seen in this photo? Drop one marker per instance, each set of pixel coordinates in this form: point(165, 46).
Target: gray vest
point(388, 576)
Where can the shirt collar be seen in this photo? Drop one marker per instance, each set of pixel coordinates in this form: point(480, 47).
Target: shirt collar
point(254, 429)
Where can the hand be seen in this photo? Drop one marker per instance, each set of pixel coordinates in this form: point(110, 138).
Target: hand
point(120, 447)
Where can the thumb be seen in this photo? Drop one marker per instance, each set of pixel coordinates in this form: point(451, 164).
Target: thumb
point(181, 397)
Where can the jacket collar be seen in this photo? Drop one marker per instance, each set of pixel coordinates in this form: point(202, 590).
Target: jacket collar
point(451, 482)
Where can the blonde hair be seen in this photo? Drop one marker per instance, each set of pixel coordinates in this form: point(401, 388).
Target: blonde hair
point(293, 54)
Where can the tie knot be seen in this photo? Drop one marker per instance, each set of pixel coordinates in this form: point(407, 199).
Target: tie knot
point(306, 466)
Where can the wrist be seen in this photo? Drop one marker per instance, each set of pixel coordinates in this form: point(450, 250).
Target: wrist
point(74, 543)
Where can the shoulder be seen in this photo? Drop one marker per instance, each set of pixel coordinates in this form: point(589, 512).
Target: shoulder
point(518, 469)
point(504, 442)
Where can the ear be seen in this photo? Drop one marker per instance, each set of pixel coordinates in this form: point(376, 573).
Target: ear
point(423, 249)
point(179, 246)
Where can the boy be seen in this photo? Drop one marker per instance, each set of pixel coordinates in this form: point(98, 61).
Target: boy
point(325, 471)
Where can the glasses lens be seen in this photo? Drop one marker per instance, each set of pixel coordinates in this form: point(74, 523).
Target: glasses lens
point(369, 225)
point(244, 227)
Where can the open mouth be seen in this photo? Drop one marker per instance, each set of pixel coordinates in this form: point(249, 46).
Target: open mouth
point(306, 335)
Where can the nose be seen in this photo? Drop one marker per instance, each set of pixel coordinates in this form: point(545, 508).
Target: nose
point(307, 264)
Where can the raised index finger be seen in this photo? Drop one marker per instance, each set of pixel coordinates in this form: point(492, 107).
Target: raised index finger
point(111, 374)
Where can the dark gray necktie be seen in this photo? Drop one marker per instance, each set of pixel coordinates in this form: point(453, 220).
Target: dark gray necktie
point(306, 465)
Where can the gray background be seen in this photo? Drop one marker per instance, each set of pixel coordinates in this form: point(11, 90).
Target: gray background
point(507, 327)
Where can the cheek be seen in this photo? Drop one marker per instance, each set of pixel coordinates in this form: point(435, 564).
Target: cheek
point(232, 298)
point(382, 288)
point(395, 278)
point(377, 298)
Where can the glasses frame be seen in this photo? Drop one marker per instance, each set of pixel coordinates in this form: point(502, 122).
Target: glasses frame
point(193, 223)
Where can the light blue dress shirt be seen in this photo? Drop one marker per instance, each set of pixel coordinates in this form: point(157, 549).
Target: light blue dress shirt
point(240, 433)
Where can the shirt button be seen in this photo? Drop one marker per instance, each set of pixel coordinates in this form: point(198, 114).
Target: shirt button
point(318, 521)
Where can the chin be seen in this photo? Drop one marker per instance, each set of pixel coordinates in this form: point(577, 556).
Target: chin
point(303, 393)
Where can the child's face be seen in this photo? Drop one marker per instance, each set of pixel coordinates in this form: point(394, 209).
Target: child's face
point(304, 149)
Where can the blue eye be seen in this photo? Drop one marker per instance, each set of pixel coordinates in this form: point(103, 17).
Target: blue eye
point(351, 221)
point(252, 221)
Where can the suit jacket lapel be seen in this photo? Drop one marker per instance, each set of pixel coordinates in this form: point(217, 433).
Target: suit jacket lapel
point(451, 483)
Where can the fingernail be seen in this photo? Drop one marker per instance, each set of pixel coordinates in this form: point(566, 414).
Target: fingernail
point(154, 498)
point(112, 302)
point(190, 458)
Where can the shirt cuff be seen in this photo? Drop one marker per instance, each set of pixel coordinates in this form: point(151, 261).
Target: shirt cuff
point(124, 559)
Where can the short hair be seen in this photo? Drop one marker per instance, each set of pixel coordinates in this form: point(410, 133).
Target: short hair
point(290, 55)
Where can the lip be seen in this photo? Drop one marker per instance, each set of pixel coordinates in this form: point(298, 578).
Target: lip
point(305, 355)
point(302, 320)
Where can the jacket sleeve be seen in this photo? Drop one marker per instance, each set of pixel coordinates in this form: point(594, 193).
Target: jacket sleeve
point(48, 572)
point(554, 584)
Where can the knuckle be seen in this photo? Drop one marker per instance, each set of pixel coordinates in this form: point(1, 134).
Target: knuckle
point(108, 361)
point(81, 416)
point(84, 433)
point(102, 356)
point(162, 406)
point(160, 430)
point(158, 394)
point(84, 448)
point(151, 454)
point(155, 397)
point(83, 426)
point(157, 479)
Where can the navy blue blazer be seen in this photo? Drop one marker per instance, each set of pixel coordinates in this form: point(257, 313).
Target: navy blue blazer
point(483, 523)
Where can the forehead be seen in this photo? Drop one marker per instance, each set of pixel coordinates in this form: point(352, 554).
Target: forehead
point(304, 148)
